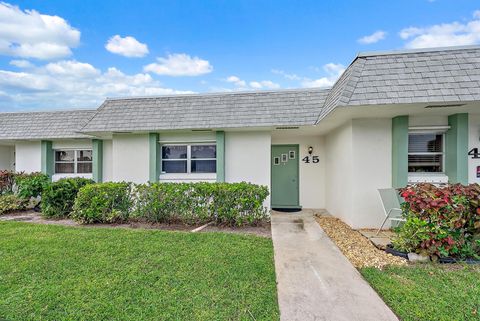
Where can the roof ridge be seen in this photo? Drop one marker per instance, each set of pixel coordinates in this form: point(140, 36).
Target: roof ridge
point(47, 111)
point(208, 94)
point(363, 54)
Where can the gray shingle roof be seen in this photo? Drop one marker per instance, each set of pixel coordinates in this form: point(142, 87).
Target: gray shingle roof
point(447, 75)
point(222, 110)
point(43, 125)
point(420, 76)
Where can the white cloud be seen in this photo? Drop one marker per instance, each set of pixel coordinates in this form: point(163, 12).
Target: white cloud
point(30, 34)
point(179, 65)
point(127, 46)
point(286, 75)
point(264, 84)
point(21, 63)
point(70, 83)
point(236, 81)
point(442, 35)
point(333, 71)
point(373, 38)
point(243, 85)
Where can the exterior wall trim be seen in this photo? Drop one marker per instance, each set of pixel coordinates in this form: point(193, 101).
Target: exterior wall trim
point(220, 138)
point(97, 164)
point(457, 148)
point(399, 151)
point(47, 158)
point(154, 162)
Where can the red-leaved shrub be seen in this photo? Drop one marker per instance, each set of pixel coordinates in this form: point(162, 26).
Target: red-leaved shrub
point(442, 221)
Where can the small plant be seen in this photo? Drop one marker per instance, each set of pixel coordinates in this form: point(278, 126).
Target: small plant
point(30, 185)
point(10, 202)
point(58, 198)
point(103, 203)
point(7, 181)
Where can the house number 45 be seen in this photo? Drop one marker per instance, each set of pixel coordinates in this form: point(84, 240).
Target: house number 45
point(308, 159)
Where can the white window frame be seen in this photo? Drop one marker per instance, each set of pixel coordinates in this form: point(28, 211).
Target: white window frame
point(432, 132)
point(188, 159)
point(75, 160)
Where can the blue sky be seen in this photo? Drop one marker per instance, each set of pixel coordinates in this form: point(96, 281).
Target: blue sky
point(72, 54)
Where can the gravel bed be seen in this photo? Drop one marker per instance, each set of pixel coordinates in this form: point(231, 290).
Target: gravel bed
point(357, 248)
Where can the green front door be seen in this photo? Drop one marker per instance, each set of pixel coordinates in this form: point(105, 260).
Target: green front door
point(285, 176)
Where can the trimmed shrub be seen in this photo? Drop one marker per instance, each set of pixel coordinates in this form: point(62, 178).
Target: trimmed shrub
point(441, 221)
point(7, 182)
point(103, 203)
point(30, 185)
point(10, 202)
point(58, 197)
point(198, 203)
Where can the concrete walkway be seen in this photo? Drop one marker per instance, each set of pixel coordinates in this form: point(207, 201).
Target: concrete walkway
point(315, 280)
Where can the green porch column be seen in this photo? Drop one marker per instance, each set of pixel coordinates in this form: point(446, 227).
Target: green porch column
point(220, 135)
point(154, 163)
point(456, 143)
point(97, 165)
point(47, 158)
point(399, 151)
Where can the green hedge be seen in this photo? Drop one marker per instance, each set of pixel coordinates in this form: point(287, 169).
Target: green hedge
point(198, 203)
point(103, 203)
point(58, 197)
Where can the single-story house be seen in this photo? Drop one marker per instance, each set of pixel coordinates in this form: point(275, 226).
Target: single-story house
point(391, 119)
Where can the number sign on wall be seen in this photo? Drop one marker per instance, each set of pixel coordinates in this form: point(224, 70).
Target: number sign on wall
point(310, 159)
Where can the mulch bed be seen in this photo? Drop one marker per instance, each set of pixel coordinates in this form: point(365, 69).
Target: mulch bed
point(357, 248)
point(35, 217)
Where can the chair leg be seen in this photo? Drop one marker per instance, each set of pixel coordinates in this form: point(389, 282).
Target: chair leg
point(384, 221)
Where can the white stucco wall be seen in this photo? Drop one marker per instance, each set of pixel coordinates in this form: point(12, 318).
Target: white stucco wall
point(7, 158)
point(311, 175)
point(372, 169)
point(247, 158)
point(28, 156)
point(338, 172)
point(473, 142)
point(108, 160)
point(130, 158)
point(358, 163)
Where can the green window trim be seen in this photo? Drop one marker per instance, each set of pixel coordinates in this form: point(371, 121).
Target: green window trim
point(97, 155)
point(456, 159)
point(47, 158)
point(399, 151)
point(220, 138)
point(154, 162)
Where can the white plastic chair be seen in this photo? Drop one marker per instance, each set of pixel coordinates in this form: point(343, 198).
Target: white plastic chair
point(391, 206)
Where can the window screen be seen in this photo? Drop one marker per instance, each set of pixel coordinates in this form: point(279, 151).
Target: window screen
point(425, 153)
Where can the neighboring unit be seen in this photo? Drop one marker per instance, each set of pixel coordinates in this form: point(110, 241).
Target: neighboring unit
point(391, 119)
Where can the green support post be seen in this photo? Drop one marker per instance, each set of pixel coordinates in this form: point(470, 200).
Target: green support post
point(154, 163)
point(220, 138)
point(47, 158)
point(456, 159)
point(97, 165)
point(399, 151)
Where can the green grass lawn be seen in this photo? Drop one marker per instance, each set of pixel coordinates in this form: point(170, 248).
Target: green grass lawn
point(429, 292)
point(66, 273)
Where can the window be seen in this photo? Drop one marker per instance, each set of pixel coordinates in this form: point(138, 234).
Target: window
point(198, 158)
point(425, 152)
point(73, 162)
